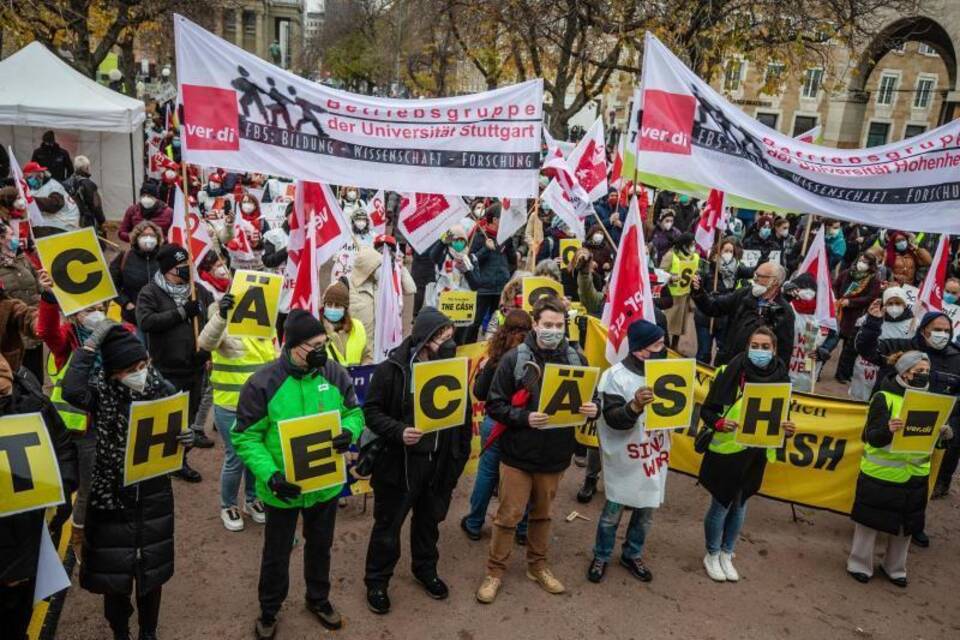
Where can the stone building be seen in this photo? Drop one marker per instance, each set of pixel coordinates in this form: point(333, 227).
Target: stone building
point(271, 29)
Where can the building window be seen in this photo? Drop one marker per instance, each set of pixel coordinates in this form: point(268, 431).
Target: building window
point(812, 80)
point(249, 23)
point(768, 119)
point(229, 24)
point(913, 130)
point(926, 50)
point(802, 124)
point(924, 93)
point(733, 75)
point(886, 88)
point(878, 133)
point(774, 74)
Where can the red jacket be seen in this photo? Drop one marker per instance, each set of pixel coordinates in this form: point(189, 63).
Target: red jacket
point(134, 215)
point(59, 337)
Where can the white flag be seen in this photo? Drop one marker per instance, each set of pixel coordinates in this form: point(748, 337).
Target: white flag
point(817, 264)
point(377, 212)
point(561, 205)
point(388, 331)
point(589, 162)
point(513, 215)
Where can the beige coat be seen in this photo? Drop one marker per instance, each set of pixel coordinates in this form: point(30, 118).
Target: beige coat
point(364, 287)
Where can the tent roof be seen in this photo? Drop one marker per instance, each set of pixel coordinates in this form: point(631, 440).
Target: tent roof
point(38, 89)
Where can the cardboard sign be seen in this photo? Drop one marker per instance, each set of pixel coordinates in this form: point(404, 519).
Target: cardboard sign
point(923, 414)
point(80, 274)
point(534, 288)
point(152, 446)
point(257, 296)
point(29, 471)
point(568, 249)
point(763, 407)
point(564, 390)
point(459, 306)
point(672, 382)
point(440, 394)
point(309, 460)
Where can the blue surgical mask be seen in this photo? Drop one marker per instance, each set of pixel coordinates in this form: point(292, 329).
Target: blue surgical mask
point(950, 298)
point(760, 357)
point(14, 245)
point(765, 232)
point(333, 314)
point(901, 245)
point(34, 182)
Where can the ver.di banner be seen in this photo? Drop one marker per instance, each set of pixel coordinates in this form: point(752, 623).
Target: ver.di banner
point(244, 114)
point(689, 132)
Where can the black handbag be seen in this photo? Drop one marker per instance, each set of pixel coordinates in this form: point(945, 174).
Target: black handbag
point(703, 438)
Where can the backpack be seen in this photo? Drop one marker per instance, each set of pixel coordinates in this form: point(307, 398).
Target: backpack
point(72, 186)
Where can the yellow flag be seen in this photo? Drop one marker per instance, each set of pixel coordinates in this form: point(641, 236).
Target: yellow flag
point(534, 288)
point(568, 249)
point(923, 415)
point(672, 382)
point(257, 301)
point(306, 445)
point(440, 394)
point(459, 306)
point(152, 446)
point(763, 407)
point(76, 265)
point(564, 390)
point(29, 472)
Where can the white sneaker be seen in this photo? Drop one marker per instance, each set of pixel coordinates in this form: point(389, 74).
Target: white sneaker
point(255, 511)
point(232, 520)
point(711, 562)
point(726, 565)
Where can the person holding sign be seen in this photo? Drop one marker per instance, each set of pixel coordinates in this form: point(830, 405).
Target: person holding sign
point(347, 341)
point(635, 460)
point(729, 471)
point(415, 472)
point(302, 382)
point(892, 487)
point(128, 533)
point(532, 458)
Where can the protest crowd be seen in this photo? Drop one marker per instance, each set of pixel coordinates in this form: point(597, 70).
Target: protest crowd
point(230, 322)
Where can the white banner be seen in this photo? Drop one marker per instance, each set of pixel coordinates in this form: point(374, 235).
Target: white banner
point(690, 132)
point(244, 114)
point(425, 216)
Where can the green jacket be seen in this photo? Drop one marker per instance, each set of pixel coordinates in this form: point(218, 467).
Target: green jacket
point(280, 391)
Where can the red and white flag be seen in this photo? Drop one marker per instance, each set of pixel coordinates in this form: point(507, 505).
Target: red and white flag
point(588, 161)
point(513, 215)
point(563, 207)
point(34, 217)
point(555, 166)
point(388, 330)
point(187, 231)
point(817, 264)
point(616, 172)
point(425, 216)
point(629, 297)
point(931, 291)
point(713, 217)
point(306, 290)
point(315, 200)
point(377, 212)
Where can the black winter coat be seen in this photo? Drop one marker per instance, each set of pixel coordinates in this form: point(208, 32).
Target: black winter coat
point(744, 314)
point(170, 339)
point(131, 271)
point(56, 159)
point(492, 269)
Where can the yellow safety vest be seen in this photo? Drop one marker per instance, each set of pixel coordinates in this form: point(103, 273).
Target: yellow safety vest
point(356, 341)
point(75, 419)
point(683, 270)
point(229, 374)
point(883, 464)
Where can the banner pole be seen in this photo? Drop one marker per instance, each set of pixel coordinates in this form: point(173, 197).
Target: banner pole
point(716, 276)
point(532, 256)
point(185, 192)
point(806, 234)
point(604, 229)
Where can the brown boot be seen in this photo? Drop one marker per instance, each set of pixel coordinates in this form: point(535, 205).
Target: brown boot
point(76, 541)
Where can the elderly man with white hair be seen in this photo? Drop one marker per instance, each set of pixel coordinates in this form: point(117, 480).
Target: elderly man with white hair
point(761, 303)
point(86, 194)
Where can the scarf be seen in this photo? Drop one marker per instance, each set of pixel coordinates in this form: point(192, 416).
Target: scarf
point(728, 273)
point(179, 292)
point(220, 284)
point(806, 307)
point(728, 386)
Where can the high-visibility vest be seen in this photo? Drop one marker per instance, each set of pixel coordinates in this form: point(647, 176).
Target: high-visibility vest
point(229, 374)
point(682, 270)
point(75, 419)
point(356, 341)
point(883, 464)
point(724, 442)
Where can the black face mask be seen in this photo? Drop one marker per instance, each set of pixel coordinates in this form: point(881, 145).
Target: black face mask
point(317, 357)
point(448, 349)
point(658, 355)
point(919, 380)
point(183, 273)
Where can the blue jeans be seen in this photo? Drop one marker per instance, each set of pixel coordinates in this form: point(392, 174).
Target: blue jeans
point(722, 525)
point(233, 467)
point(640, 521)
point(488, 475)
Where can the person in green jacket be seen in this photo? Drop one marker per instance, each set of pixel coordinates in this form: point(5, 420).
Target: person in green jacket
point(301, 382)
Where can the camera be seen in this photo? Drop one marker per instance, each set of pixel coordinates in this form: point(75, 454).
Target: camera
point(772, 314)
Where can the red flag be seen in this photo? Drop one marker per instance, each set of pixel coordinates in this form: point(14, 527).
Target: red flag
point(589, 162)
point(425, 216)
point(306, 290)
point(817, 264)
point(377, 211)
point(556, 166)
point(931, 291)
point(186, 230)
point(712, 217)
point(629, 297)
point(616, 173)
point(315, 200)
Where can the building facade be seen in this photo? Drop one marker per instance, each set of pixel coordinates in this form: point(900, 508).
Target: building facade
point(271, 29)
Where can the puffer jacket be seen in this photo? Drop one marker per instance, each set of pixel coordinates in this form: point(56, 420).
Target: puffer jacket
point(131, 270)
point(19, 280)
point(169, 336)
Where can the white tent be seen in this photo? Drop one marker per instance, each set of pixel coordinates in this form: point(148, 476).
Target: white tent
point(40, 92)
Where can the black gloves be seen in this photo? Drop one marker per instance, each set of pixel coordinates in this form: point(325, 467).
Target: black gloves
point(191, 308)
point(822, 354)
point(226, 303)
point(282, 489)
point(341, 443)
point(187, 438)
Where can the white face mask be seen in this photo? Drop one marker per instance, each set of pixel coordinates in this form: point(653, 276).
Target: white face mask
point(170, 174)
point(666, 226)
point(939, 339)
point(862, 266)
point(221, 272)
point(19, 203)
point(727, 256)
point(217, 223)
point(351, 196)
point(597, 238)
point(478, 211)
point(248, 207)
point(92, 319)
point(147, 202)
point(136, 380)
point(360, 225)
point(806, 294)
point(147, 243)
point(758, 289)
point(895, 310)
point(213, 186)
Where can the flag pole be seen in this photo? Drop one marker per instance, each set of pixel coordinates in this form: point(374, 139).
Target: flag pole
point(716, 272)
point(604, 229)
point(806, 234)
point(532, 256)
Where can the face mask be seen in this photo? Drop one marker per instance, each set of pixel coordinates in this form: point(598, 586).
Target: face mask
point(147, 243)
point(477, 212)
point(726, 256)
point(14, 244)
point(550, 338)
point(447, 349)
point(317, 357)
point(760, 357)
point(183, 273)
point(459, 245)
point(360, 225)
point(597, 238)
point(221, 272)
point(147, 202)
point(218, 224)
point(806, 294)
point(895, 310)
point(832, 233)
point(949, 297)
point(920, 380)
point(684, 199)
point(213, 186)
point(782, 233)
point(333, 314)
point(19, 203)
point(862, 266)
point(758, 289)
point(690, 249)
point(939, 339)
point(248, 207)
point(666, 226)
point(765, 232)
point(351, 196)
point(34, 182)
point(901, 245)
point(136, 380)
point(169, 174)
point(92, 319)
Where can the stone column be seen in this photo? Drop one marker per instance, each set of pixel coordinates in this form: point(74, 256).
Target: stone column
point(238, 20)
point(844, 121)
point(261, 47)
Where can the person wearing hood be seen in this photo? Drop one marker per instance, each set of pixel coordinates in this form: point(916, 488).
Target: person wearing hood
point(128, 546)
point(904, 258)
point(731, 472)
point(347, 340)
point(19, 281)
point(365, 283)
point(611, 212)
point(630, 452)
point(855, 289)
point(682, 262)
point(214, 189)
point(891, 495)
point(50, 154)
point(413, 472)
point(808, 336)
point(149, 207)
point(361, 236)
point(886, 318)
point(664, 235)
point(533, 458)
point(361, 227)
point(687, 212)
point(601, 252)
point(57, 207)
point(135, 267)
point(788, 245)
point(493, 265)
point(451, 259)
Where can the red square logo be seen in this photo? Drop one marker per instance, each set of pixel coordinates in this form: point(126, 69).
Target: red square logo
point(211, 118)
point(667, 122)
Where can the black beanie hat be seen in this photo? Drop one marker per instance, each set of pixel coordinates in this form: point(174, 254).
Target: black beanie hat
point(300, 327)
point(120, 349)
point(149, 188)
point(642, 333)
point(169, 256)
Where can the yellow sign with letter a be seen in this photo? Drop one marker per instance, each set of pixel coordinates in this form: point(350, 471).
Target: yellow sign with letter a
point(672, 382)
point(763, 408)
point(29, 471)
point(76, 265)
point(152, 446)
point(309, 460)
point(256, 297)
point(440, 394)
point(459, 306)
point(565, 388)
point(535, 288)
point(923, 414)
